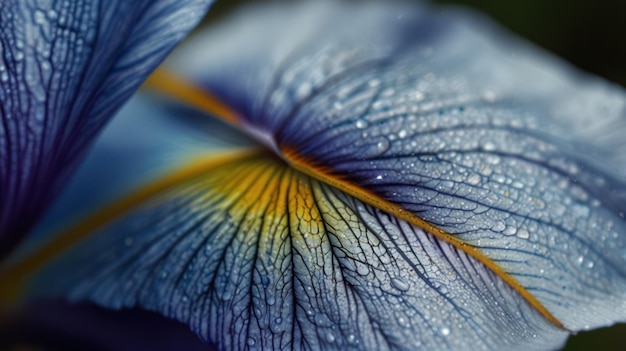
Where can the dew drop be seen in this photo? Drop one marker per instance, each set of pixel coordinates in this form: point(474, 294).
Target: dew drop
point(52, 14)
point(380, 147)
point(517, 185)
point(509, 230)
point(417, 96)
point(352, 339)
point(498, 227)
point(271, 300)
point(251, 341)
point(303, 91)
point(40, 17)
point(330, 337)
point(488, 146)
point(400, 284)
point(580, 211)
point(523, 233)
point(362, 269)
point(276, 326)
point(373, 83)
point(580, 260)
point(444, 330)
point(473, 179)
point(489, 96)
point(361, 123)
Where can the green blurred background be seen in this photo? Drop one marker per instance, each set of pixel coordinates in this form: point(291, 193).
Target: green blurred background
point(588, 33)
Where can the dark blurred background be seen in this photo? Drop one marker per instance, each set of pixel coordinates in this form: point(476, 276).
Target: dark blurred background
point(588, 33)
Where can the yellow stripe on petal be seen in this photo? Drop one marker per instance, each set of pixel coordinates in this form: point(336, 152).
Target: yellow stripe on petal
point(14, 275)
point(166, 83)
point(272, 197)
point(326, 176)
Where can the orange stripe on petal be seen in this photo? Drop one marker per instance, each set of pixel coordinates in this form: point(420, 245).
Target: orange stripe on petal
point(166, 83)
point(15, 275)
point(326, 175)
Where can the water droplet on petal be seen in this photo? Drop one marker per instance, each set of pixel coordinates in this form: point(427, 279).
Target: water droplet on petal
point(488, 146)
point(509, 230)
point(304, 90)
point(498, 226)
point(489, 96)
point(473, 179)
point(361, 123)
point(251, 341)
point(52, 14)
point(523, 233)
point(382, 146)
point(352, 339)
point(374, 83)
point(444, 330)
point(400, 284)
point(330, 337)
point(580, 260)
point(581, 211)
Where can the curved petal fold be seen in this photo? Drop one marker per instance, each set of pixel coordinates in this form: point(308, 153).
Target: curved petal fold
point(422, 188)
point(65, 68)
point(497, 144)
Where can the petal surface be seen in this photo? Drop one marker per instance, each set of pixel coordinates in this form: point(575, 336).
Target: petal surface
point(253, 254)
point(428, 190)
point(515, 155)
point(65, 69)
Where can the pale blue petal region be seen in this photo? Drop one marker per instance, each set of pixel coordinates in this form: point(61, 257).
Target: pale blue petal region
point(147, 139)
point(309, 269)
point(496, 143)
point(65, 68)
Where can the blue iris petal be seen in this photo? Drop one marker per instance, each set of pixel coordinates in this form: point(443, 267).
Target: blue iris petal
point(65, 68)
point(490, 140)
point(517, 156)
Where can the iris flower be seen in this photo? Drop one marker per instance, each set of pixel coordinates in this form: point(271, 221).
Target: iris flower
point(311, 176)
